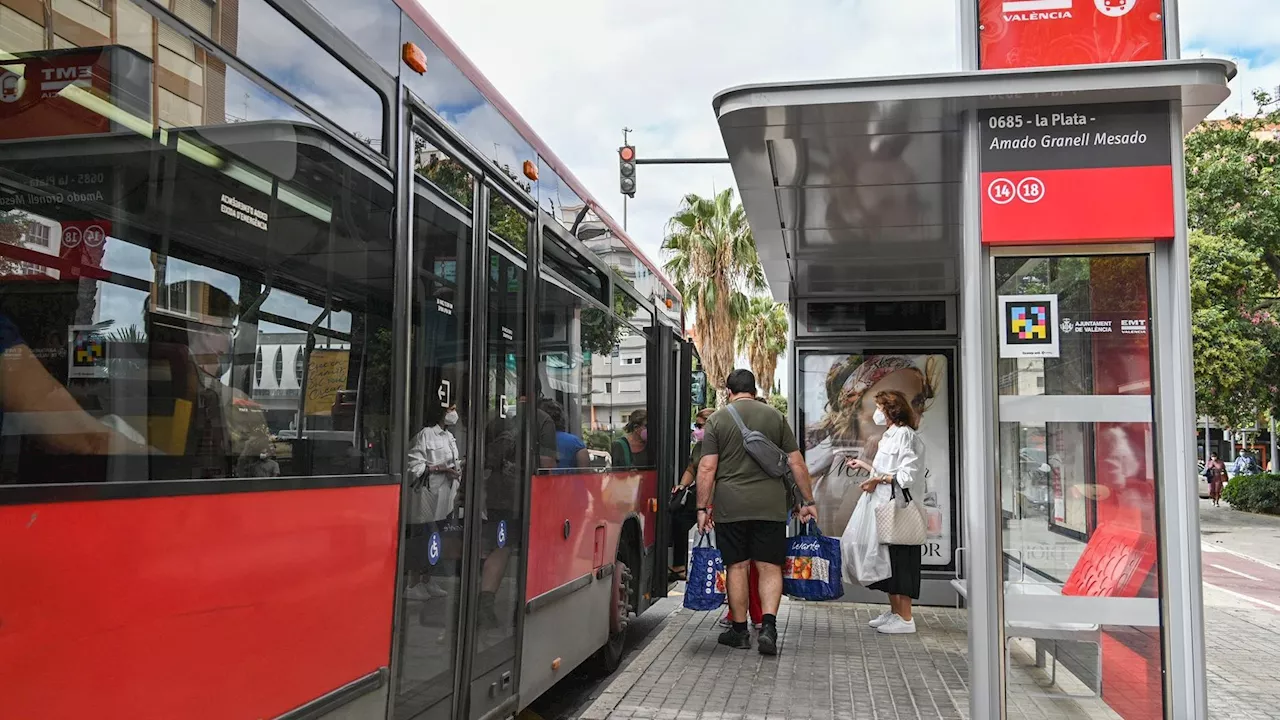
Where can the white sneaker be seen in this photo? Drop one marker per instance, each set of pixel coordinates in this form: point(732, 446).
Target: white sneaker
point(434, 588)
point(882, 618)
point(418, 592)
point(897, 626)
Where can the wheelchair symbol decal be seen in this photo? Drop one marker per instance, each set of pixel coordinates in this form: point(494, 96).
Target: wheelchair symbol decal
point(433, 548)
point(502, 533)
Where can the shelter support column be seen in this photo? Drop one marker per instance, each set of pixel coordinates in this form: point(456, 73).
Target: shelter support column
point(981, 529)
point(1179, 504)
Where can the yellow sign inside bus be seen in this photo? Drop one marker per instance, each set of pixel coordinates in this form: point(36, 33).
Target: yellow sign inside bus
point(326, 377)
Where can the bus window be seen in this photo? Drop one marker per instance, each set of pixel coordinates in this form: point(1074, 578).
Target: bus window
point(270, 43)
point(592, 369)
point(184, 303)
point(508, 223)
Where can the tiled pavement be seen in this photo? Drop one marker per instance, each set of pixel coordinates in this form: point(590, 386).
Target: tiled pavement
point(1242, 647)
point(832, 666)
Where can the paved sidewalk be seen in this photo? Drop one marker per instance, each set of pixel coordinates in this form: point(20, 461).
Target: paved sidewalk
point(831, 666)
point(1242, 649)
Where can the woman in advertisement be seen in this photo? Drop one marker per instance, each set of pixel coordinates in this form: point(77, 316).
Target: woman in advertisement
point(847, 431)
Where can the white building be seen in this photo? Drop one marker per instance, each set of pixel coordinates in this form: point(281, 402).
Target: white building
point(39, 234)
point(617, 380)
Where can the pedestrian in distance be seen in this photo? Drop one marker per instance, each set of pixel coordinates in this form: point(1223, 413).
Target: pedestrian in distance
point(747, 506)
point(1216, 473)
point(899, 462)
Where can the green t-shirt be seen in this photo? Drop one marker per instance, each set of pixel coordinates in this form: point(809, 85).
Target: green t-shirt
point(743, 490)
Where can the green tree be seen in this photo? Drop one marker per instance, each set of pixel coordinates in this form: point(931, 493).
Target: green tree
point(455, 180)
point(1233, 197)
point(1233, 181)
point(712, 258)
point(779, 403)
point(13, 225)
point(762, 337)
point(602, 332)
point(1235, 335)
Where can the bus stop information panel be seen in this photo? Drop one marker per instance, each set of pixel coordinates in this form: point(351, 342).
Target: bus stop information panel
point(1064, 174)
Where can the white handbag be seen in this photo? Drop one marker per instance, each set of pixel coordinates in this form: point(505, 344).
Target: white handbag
point(901, 521)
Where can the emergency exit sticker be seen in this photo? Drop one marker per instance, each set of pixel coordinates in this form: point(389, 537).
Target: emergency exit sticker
point(1094, 173)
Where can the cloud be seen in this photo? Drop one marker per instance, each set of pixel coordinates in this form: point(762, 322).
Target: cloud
point(580, 70)
point(1236, 26)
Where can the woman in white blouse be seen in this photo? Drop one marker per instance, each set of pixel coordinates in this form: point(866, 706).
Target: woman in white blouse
point(435, 465)
point(901, 457)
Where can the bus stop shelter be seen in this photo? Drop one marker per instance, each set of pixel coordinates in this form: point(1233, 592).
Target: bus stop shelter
point(1008, 249)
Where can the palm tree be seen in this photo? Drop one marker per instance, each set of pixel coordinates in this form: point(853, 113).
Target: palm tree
point(712, 258)
point(762, 337)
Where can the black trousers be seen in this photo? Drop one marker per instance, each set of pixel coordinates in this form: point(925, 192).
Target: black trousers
point(682, 521)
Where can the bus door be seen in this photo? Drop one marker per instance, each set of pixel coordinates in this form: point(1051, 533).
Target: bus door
point(672, 421)
point(439, 471)
point(515, 434)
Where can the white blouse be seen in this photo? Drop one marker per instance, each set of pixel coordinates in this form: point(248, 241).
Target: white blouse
point(433, 446)
point(901, 454)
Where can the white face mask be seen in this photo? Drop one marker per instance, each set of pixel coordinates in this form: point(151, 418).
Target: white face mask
point(451, 417)
point(879, 418)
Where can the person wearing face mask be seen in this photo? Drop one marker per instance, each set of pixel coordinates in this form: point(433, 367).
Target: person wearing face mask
point(435, 468)
point(632, 449)
point(230, 430)
point(900, 459)
point(684, 516)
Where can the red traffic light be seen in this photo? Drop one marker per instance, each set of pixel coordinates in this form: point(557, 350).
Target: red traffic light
point(627, 153)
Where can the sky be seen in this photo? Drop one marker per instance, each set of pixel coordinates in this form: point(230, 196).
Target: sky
point(580, 70)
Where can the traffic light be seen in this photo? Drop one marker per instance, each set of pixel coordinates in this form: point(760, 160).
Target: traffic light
point(627, 170)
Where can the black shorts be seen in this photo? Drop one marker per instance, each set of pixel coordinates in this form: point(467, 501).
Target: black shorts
point(760, 540)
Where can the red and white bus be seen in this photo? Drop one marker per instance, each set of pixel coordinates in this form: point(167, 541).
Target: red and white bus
point(326, 390)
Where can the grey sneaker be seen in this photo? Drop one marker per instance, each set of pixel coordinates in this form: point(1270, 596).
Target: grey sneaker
point(897, 626)
point(882, 618)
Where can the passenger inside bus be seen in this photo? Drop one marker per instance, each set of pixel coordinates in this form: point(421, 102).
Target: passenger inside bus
point(632, 449)
point(571, 451)
point(230, 432)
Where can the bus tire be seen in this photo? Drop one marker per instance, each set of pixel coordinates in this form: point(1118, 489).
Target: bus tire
point(607, 659)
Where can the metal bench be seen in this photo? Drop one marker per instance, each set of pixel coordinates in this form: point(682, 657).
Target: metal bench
point(1042, 633)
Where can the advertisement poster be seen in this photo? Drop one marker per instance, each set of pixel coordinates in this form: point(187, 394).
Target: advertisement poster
point(1028, 326)
point(1088, 173)
point(1044, 33)
point(838, 403)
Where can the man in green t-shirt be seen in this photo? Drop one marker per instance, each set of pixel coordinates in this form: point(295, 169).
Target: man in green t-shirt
point(748, 508)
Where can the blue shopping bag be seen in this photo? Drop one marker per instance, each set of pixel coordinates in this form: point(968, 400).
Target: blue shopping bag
point(812, 570)
point(706, 587)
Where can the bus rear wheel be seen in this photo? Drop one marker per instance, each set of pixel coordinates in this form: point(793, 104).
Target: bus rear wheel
point(609, 656)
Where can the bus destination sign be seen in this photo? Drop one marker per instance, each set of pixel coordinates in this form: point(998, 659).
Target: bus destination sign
point(1095, 173)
